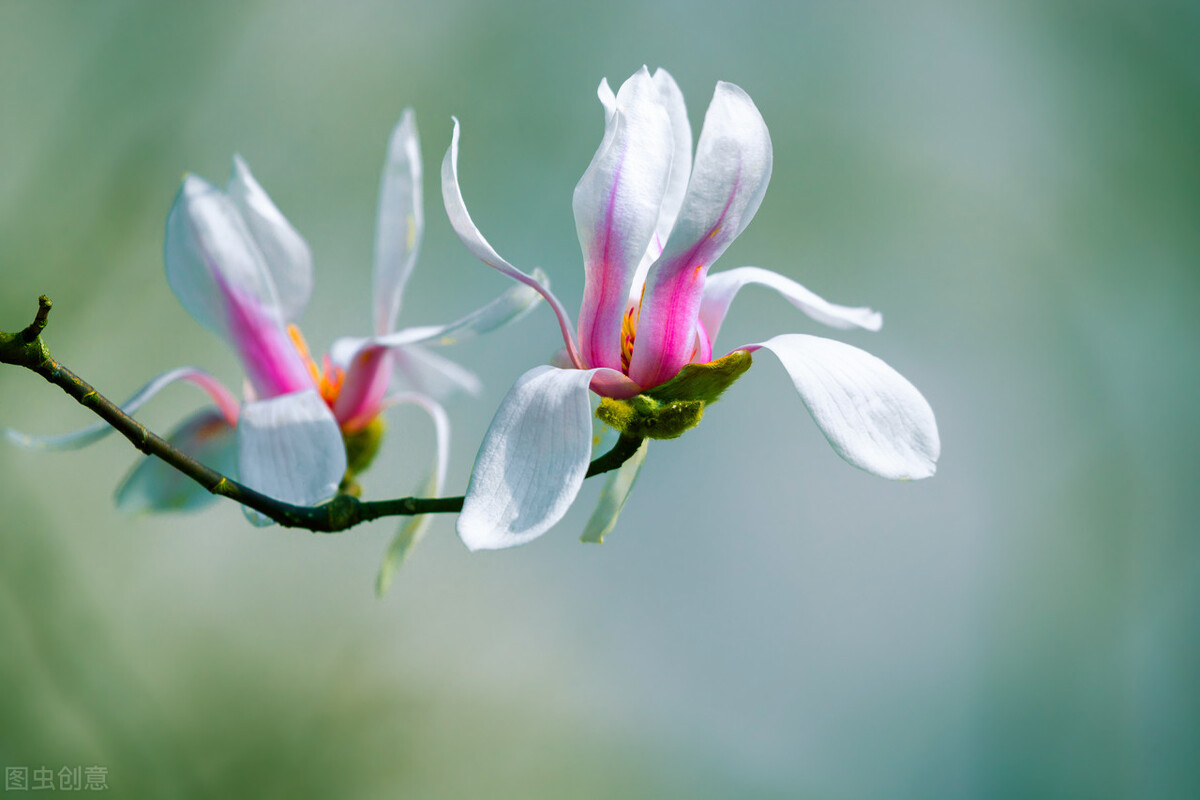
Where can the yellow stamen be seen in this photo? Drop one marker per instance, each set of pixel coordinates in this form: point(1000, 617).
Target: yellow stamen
point(329, 379)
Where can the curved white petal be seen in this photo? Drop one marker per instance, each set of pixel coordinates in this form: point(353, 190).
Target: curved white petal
point(413, 530)
point(154, 486)
point(285, 252)
point(290, 448)
point(460, 220)
point(720, 289)
point(617, 204)
point(503, 310)
point(871, 415)
point(532, 460)
point(225, 401)
point(209, 251)
point(218, 273)
point(733, 167)
point(400, 222)
point(681, 170)
point(432, 374)
point(612, 498)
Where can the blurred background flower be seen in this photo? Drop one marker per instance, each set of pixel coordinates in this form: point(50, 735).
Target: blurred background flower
point(1015, 186)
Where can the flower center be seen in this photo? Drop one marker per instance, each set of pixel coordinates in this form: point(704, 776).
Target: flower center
point(327, 378)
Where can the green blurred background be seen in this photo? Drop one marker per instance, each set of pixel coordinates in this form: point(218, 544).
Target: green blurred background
point(1016, 185)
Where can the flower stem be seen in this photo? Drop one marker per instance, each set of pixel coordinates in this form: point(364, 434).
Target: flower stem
point(26, 349)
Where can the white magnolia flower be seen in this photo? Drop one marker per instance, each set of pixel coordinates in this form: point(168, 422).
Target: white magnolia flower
point(651, 223)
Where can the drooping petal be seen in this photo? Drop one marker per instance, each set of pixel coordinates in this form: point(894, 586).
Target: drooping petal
point(612, 498)
point(285, 253)
point(532, 460)
point(217, 272)
point(290, 448)
point(430, 374)
point(871, 415)
point(733, 166)
point(226, 403)
point(720, 289)
point(461, 221)
point(617, 204)
point(504, 310)
point(412, 531)
point(155, 486)
point(681, 170)
point(400, 222)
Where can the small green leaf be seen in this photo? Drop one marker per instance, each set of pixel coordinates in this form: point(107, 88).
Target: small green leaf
point(612, 499)
point(411, 532)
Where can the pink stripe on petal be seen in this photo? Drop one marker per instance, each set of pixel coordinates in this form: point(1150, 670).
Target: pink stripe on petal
point(224, 398)
point(361, 397)
point(271, 361)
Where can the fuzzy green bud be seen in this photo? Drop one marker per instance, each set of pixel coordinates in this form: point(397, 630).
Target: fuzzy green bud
point(671, 408)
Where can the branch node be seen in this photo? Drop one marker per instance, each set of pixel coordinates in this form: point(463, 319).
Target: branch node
point(35, 328)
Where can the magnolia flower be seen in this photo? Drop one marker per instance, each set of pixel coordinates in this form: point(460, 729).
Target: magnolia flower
point(651, 224)
point(303, 428)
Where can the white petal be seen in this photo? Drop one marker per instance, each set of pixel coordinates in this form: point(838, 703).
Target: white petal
point(532, 460)
point(460, 220)
point(154, 486)
point(92, 433)
point(612, 499)
point(681, 170)
point(720, 289)
point(284, 251)
point(290, 448)
point(413, 530)
point(733, 167)
point(437, 376)
point(400, 221)
point(509, 307)
point(871, 415)
point(210, 253)
point(616, 205)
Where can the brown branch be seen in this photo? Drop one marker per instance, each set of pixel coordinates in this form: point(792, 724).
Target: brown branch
point(26, 349)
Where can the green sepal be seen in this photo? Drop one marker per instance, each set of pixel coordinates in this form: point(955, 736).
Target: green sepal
point(362, 446)
point(671, 408)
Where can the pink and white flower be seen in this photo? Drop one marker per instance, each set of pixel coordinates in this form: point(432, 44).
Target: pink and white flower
point(242, 271)
point(651, 223)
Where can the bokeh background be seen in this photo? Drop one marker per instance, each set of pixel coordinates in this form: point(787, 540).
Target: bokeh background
point(1016, 185)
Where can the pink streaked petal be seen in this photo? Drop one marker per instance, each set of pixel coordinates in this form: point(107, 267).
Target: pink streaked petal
point(268, 354)
point(733, 166)
point(284, 252)
point(720, 289)
point(681, 166)
point(703, 351)
point(206, 240)
point(361, 397)
point(617, 204)
point(468, 233)
point(218, 273)
point(226, 403)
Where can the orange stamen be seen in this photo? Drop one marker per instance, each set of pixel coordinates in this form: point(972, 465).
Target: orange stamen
point(328, 378)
